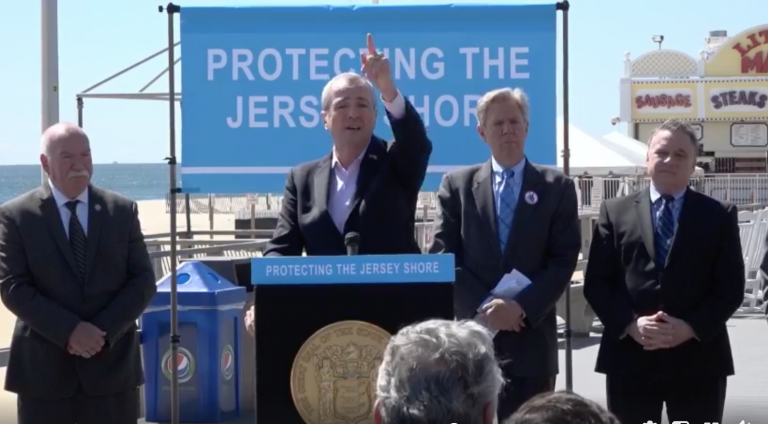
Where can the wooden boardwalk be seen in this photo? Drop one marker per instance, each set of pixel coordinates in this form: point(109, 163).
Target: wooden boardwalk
point(747, 390)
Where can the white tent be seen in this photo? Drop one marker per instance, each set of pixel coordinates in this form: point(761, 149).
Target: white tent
point(630, 146)
point(596, 156)
point(627, 144)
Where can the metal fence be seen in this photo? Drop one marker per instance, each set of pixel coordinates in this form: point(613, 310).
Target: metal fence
point(741, 189)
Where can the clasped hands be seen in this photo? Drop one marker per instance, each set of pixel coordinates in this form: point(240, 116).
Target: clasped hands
point(660, 331)
point(500, 314)
point(86, 340)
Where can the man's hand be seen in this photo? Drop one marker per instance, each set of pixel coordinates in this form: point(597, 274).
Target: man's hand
point(503, 315)
point(86, 340)
point(377, 69)
point(681, 331)
point(651, 333)
point(250, 321)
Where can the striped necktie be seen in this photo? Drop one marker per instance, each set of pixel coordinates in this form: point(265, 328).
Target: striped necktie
point(77, 240)
point(665, 231)
point(506, 212)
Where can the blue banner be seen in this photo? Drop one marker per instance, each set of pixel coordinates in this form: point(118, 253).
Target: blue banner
point(370, 269)
point(252, 80)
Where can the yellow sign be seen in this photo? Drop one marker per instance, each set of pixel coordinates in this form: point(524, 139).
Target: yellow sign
point(664, 101)
point(744, 55)
point(737, 100)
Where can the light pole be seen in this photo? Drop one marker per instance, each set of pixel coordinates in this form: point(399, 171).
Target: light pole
point(49, 66)
point(658, 39)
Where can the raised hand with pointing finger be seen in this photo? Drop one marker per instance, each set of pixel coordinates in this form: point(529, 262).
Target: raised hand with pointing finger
point(376, 67)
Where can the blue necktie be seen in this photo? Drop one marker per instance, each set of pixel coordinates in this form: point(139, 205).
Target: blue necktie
point(506, 210)
point(665, 230)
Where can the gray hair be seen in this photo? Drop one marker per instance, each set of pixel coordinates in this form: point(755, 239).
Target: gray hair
point(676, 125)
point(438, 371)
point(517, 95)
point(57, 132)
point(561, 407)
point(351, 79)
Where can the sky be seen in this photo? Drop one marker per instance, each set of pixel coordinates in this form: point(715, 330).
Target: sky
point(99, 38)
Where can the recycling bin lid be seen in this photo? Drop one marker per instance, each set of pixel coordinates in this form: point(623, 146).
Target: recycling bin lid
point(198, 286)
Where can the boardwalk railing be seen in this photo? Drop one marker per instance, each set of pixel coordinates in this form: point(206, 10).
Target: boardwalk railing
point(736, 188)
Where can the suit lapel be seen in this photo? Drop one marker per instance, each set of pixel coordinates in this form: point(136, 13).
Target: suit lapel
point(322, 180)
point(374, 155)
point(645, 221)
point(482, 189)
point(523, 209)
point(52, 217)
point(96, 215)
point(686, 215)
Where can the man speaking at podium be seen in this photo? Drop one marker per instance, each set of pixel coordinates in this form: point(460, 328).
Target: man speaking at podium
point(511, 224)
point(365, 185)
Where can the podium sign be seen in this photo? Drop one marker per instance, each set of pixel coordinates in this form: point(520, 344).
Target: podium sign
point(395, 269)
point(323, 322)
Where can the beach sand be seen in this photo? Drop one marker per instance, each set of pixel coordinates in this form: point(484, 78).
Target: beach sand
point(155, 220)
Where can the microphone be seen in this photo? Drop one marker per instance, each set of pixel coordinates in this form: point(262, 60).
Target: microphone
point(352, 241)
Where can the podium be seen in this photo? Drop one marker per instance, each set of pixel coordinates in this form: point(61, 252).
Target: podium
point(322, 324)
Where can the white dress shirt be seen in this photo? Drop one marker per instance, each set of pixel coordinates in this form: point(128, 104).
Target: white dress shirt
point(344, 181)
point(61, 204)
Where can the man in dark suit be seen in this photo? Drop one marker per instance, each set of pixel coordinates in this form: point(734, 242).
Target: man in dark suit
point(665, 273)
point(76, 273)
point(509, 214)
point(365, 185)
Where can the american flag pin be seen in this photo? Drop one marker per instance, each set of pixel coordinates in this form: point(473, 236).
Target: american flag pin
point(97, 208)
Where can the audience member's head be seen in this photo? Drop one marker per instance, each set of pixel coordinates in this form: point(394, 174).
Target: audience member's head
point(439, 372)
point(561, 408)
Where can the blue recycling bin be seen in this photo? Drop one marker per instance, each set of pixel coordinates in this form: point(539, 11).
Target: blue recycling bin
point(210, 311)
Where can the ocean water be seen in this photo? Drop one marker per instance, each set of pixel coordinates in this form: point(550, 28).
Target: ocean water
point(136, 181)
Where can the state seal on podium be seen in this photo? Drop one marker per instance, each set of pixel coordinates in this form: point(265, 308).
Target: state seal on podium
point(333, 378)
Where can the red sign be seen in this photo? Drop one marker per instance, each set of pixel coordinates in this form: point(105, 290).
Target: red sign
point(667, 101)
point(758, 62)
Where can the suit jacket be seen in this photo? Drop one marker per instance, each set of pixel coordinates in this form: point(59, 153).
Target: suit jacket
point(391, 175)
point(39, 284)
point(702, 283)
point(544, 245)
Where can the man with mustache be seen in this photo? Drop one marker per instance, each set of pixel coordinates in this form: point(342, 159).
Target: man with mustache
point(75, 271)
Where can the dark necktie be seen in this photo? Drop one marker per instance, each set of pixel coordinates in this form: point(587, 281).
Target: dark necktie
point(77, 239)
point(665, 230)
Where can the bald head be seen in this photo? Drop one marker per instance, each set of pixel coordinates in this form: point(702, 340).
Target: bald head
point(57, 132)
point(66, 158)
